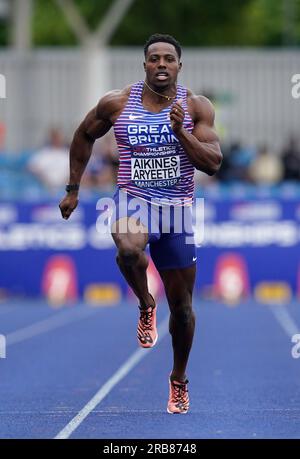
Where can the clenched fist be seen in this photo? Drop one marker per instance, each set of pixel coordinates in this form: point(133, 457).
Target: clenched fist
point(68, 204)
point(177, 116)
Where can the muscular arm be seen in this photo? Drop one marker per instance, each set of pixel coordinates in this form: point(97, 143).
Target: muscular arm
point(202, 145)
point(95, 125)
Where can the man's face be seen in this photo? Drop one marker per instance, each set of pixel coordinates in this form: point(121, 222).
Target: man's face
point(162, 64)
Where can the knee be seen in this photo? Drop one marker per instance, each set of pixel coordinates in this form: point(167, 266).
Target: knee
point(127, 253)
point(183, 313)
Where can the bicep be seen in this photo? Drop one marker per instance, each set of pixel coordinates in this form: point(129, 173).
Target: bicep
point(204, 120)
point(94, 126)
point(100, 119)
point(205, 132)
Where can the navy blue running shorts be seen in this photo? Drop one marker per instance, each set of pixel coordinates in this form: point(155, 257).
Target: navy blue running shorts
point(170, 230)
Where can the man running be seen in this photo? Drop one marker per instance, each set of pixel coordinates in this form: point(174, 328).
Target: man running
point(163, 132)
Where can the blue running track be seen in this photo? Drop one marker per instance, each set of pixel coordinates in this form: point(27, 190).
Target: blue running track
point(77, 372)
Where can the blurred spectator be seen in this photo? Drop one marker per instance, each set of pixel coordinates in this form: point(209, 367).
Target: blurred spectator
point(291, 160)
point(266, 169)
point(236, 162)
point(50, 164)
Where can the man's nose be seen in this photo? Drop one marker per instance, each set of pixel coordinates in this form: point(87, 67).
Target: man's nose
point(162, 63)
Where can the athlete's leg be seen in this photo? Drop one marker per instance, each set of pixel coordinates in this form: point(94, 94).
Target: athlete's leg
point(179, 284)
point(174, 256)
point(131, 257)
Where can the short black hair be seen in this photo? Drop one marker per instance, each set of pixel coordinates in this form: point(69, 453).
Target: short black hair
point(161, 37)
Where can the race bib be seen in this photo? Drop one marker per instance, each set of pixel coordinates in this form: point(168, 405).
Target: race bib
point(155, 171)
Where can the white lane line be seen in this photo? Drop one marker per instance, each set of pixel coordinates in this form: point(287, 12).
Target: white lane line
point(130, 363)
point(59, 320)
point(284, 319)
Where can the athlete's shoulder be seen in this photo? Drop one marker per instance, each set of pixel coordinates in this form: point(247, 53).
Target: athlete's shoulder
point(114, 98)
point(113, 102)
point(200, 107)
point(116, 94)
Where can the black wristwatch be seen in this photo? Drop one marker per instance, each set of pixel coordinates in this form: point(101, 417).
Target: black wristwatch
point(74, 187)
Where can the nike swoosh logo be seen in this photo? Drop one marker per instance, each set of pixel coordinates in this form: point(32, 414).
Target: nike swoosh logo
point(194, 258)
point(135, 117)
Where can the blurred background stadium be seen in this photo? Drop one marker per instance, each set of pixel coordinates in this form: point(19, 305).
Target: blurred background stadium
point(58, 57)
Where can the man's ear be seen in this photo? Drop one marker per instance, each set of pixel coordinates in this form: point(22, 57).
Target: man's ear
point(180, 66)
point(144, 64)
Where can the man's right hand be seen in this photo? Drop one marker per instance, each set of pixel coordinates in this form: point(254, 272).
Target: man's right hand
point(68, 204)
